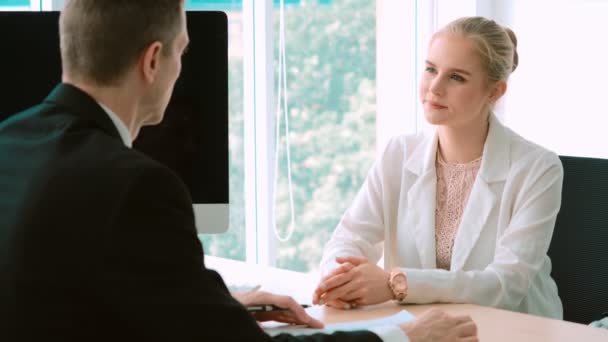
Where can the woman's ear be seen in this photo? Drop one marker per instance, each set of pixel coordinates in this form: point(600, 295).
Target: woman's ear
point(150, 61)
point(498, 90)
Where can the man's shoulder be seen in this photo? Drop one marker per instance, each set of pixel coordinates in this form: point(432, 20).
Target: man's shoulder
point(118, 164)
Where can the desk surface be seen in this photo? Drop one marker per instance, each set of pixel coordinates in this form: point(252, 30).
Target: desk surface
point(494, 325)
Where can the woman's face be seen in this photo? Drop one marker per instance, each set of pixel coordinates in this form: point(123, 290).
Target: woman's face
point(454, 90)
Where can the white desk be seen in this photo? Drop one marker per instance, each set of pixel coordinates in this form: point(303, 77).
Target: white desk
point(298, 285)
point(494, 325)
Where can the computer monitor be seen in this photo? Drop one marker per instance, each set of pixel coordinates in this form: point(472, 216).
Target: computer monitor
point(192, 140)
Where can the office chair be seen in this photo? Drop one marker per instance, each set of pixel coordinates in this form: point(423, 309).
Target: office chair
point(579, 248)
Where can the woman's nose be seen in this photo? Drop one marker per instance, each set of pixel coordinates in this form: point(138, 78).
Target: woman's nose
point(436, 86)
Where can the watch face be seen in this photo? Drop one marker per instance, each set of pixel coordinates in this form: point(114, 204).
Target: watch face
point(399, 283)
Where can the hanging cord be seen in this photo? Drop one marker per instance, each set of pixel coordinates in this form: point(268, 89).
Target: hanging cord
point(282, 90)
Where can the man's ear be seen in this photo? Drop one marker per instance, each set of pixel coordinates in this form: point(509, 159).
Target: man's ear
point(150, 61)
point(499, 89)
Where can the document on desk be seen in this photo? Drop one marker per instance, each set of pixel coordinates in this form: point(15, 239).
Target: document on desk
point(401, 317)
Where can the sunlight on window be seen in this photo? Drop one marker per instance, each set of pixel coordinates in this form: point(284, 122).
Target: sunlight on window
point(556, 96)
point(331, 85)
point(14, 5)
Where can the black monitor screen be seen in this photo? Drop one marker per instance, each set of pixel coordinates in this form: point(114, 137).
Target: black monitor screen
point(192, 139)
point(30, 60)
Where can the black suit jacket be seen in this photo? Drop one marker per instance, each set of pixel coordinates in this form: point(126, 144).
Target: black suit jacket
point(97, 241)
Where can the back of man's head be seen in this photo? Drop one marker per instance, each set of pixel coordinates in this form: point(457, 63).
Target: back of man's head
point(102, 39)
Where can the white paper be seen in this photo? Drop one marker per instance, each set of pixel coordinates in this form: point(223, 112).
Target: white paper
point(401, 317)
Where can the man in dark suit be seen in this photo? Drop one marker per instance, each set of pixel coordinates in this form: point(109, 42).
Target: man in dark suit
point(97, 241)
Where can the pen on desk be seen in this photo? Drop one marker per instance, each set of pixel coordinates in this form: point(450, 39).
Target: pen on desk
point(269, 308)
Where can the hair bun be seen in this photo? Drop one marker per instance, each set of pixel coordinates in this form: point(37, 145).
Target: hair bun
point(513, 38)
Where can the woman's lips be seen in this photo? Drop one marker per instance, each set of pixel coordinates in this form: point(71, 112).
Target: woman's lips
point(435, 105)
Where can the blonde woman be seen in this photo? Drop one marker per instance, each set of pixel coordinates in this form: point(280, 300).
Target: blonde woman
point(463, 215)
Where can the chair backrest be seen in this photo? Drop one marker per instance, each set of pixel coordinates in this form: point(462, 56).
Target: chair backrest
point(579, 248)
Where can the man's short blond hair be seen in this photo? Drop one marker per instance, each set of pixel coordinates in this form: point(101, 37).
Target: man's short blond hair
point(102, 39)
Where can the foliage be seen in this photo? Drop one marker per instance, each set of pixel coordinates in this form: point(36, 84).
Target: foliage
point(330, 53)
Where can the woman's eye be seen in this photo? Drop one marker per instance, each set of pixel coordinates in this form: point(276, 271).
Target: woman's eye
point(429, 69)
point(457, 77)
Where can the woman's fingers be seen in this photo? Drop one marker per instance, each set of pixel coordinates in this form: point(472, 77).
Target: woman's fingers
point(337, 277)
point(336, 281)
point(466, 326)
point(337, 292)
point(340, 304)
point(343, 268)
point(352, 260)
point(355, 296)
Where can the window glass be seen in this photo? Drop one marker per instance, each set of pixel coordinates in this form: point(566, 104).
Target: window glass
point(14, 4)
point(232, 243)
point(556, 96)
point(330, 85)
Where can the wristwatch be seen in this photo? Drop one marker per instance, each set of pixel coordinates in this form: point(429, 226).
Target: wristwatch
point(397, 282)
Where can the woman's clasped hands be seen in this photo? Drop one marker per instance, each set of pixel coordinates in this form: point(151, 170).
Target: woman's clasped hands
point(356, 281)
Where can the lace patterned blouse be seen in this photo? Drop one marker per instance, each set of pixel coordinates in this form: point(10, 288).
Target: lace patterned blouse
point(454, 183)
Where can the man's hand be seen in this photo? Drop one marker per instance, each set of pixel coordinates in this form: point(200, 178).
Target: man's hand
point(355, 282)
point(437, 326)
point(294, 314)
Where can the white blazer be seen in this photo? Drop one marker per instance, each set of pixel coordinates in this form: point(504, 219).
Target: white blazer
point(499, 257)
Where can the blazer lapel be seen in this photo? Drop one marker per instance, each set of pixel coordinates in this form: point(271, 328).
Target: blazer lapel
point(480, 203)
point(482, 199)
point(420, 211)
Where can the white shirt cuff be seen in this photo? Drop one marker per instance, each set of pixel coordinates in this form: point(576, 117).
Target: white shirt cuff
point(390, 333)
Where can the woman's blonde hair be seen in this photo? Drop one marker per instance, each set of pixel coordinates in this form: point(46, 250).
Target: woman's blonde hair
point(497, 45)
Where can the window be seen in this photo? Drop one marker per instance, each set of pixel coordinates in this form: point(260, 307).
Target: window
point(323, 157)
point(21, 5)
point(231, 244)
point(15, 3)
point(557, 94)
point(330, 88)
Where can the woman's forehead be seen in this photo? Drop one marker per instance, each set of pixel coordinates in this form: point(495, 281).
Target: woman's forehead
point(453, 51)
